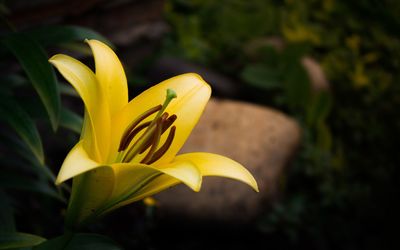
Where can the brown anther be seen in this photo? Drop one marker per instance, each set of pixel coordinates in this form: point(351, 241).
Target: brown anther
point(168, 122)
point(154, 142)
point(132, 135)
point(161, 151)
point(164, 116)
point(165, 124)
point(143, 140)
point(149, 143)
point(123, 144)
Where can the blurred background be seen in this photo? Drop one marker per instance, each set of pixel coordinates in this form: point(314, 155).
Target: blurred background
point(306, 96)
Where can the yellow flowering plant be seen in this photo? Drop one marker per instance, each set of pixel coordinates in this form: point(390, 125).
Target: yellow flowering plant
point(128, 150)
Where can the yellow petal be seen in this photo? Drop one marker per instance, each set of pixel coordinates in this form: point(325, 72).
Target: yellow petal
point(155, 186)
point(97, 125)
point(130, 176)
point(193, 94)
point(132, 179)
point(110, 74)
point(76, 163)
point(218, 165)
point(90, 191)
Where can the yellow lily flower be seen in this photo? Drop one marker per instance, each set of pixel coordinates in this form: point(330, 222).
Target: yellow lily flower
point(128, 150)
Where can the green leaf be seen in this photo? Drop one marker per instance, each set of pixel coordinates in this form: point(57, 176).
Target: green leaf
point(79, 242)
point(92, 241)
point(24, 159)
point(34, 61)
point(296, 87)
point(56, 35)
point(20, 121)
point(319, 108)
point(71, 120)
point(68, 90)
point(7, 223)
point(324, 136)
point(15, 240)
point(261, 76)
point(13, 80)
point(20, 182)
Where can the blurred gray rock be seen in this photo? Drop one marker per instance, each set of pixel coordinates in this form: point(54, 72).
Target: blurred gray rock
point(262, 139)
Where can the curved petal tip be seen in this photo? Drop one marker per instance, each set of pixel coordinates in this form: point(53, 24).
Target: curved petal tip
point(217, 165)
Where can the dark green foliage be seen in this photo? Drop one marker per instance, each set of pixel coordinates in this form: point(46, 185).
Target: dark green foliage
point(21, 122)
point(26, 179)
point(71, 120)
point(342, 185)
point(62, 35)
point(17, 240)
point(7, 223)
point(33, 60)
point(79, 242)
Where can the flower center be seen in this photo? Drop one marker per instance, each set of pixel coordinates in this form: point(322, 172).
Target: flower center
point(149, 141)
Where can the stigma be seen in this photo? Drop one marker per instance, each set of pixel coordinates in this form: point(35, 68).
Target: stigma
point(143, 135)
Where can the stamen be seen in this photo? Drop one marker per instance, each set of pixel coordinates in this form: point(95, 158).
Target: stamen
point(150, 138)
point(164, 116)
point(132, 135)
point(161, 151)
point(138, 145)
point(154, 142)
point(163, 119)
point(143, 116)
point(168, 122)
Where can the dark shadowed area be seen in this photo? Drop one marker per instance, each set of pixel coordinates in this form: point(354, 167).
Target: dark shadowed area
point(305, 95)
